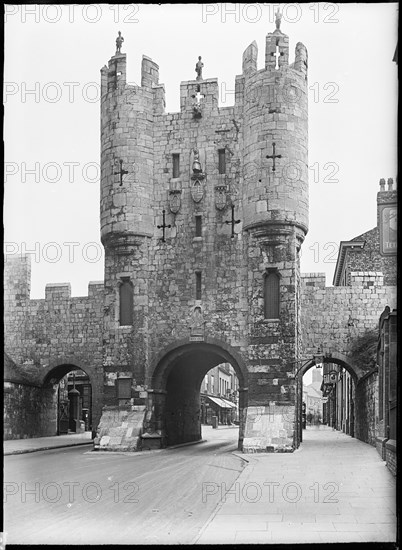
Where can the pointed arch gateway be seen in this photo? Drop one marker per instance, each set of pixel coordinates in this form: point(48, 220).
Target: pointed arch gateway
point(175, 377)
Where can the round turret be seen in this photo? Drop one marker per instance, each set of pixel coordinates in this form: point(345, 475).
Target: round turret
point(276, 138)
point(127, 153)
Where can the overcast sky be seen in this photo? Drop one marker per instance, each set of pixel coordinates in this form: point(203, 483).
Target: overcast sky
point(57, 53)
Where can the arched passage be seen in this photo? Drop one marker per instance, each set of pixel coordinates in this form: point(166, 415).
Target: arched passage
point(176, 377)
point(337, 359)
point(67, 390)
point(346, 391)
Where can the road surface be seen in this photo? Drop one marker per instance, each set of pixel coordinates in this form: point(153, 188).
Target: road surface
point(75, 496)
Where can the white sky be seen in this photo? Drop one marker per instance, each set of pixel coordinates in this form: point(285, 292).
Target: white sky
point(350, 49)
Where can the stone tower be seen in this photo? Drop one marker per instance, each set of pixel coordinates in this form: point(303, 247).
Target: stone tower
point(203, 213)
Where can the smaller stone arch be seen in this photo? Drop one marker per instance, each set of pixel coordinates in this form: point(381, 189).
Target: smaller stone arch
point(337, 358)
point(62, 411)
point(55, 373)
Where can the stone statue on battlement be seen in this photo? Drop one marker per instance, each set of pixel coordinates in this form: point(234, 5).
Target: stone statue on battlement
point(278, 20)
point(198, 68)
point(119, 43)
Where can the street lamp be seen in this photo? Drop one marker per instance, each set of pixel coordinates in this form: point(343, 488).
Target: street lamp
point(318, 358)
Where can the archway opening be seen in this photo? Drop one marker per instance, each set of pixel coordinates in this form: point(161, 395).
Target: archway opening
point(327, 394)
point(198, 384)
point(69, 391)
point(220, 397)
point(313, 399)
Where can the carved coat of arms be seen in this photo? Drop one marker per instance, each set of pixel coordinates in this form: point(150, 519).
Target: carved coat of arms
point(197, 190)
point(174, 200)
point(220, 197)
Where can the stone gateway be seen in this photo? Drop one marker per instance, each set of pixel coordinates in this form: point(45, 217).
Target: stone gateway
point(222, 274)
point(203, 214)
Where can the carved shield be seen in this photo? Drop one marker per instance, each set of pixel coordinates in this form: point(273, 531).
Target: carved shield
point(220, 197)
point(197, 190)
point(174, 201)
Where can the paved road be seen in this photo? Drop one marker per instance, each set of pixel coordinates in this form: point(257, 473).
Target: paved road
point(82, 497)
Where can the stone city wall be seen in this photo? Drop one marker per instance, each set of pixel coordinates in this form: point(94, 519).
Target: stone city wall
point(333, 317)
point(42, 335)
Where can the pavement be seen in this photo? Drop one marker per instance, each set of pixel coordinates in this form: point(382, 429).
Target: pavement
point(31, 445)
point(334, 488)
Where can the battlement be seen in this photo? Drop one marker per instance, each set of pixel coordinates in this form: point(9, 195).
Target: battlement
point(62, 291)
point(316, 280)
point(142, 145)
point(149, 72)
point(114, 76)
point(17, 282)
point(57, 291)
point(17, 276)
point(365, 279)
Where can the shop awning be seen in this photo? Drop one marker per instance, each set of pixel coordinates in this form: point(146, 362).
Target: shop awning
point(223, 403)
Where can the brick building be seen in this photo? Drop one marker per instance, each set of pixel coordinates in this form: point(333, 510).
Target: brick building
point(376, 249)
point(219, 395)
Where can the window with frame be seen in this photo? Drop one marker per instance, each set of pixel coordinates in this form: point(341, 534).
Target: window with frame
point(198, 226)
point(222, 161)
point(198, 285)
point(271, 295)
point(176, 165)
point(126, 302)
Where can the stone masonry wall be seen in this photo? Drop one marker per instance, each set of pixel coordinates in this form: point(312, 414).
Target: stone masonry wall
point(391, 456)
point(359, 259)
point(43, 334)
point(366, 409)
point(333, 316)
point(29, 411)
point(270, 199)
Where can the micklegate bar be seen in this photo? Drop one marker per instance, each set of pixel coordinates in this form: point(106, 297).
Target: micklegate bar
point(203, 214)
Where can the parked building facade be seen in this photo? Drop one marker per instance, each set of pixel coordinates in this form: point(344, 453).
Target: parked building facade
point(313, 398)
point(220, 396)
